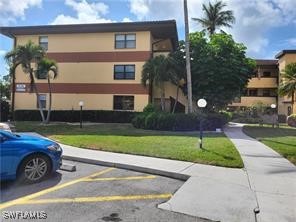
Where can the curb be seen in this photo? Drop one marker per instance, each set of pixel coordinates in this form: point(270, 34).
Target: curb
point(178, 176)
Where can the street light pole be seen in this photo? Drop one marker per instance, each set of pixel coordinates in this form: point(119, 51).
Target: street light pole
point(81, 103)
point(273, 107)
point(201, 103)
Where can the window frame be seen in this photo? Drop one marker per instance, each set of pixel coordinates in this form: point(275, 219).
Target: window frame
point(122, 109)
point(41, 43)
point(124, 72)
point(45, 96)
point(125, 41)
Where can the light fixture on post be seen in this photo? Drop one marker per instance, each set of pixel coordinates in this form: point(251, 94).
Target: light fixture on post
point(81, 104)
point(201, 103)
point(273, 108)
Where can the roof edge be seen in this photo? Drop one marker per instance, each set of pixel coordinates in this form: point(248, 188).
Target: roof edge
point(283, 52)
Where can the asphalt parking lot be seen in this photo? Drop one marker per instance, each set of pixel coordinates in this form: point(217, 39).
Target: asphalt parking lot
point(94, 193)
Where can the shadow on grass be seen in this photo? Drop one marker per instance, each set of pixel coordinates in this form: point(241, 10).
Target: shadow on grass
point(219, 154)
point(273, 141)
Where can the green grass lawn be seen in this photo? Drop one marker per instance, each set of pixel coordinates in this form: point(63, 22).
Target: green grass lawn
point(124, 138)
point(282, 140)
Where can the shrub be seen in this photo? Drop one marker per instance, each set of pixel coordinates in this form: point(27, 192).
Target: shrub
point(150, 108)
point(179, 121)
point(103, 116)
point(4, 111)
point(291, 120)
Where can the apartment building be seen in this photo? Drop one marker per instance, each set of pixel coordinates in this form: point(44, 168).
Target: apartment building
point(263, 86)
point(99, 64)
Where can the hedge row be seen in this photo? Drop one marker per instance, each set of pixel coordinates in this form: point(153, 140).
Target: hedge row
point(291, 120)
point(102, 116)
point(179, 121)
point(4, 111)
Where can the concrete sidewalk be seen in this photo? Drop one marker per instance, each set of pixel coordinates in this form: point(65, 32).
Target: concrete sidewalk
point(272, 177)
point(215, 193)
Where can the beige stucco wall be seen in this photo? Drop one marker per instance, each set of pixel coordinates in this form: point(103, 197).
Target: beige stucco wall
point(86, 72)
point(70, 101)
point(250, 101)
point(263, 83)
point(87, 42)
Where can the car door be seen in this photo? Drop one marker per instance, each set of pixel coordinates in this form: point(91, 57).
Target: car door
point(9, 155)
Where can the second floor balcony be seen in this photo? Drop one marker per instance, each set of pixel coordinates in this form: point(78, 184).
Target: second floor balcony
point(263, 82)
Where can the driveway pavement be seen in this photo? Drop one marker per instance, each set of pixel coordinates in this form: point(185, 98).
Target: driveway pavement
point(272, 177)
point(94, 193)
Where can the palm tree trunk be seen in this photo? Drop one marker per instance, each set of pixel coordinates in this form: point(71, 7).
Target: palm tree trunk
point(50, 101)
point(33, 85)
point(187, 46)
point(151, 90)
point(176, 100)
point(292, 104)
point(162, 96)
point(13, 95)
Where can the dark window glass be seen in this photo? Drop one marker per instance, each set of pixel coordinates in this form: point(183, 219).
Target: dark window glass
point(42, 101)
point(124, 72)
point(43, 42)
point(266, 74)
point(266, 92)
point(123, 103)
point(125, 41)
point(253, 92)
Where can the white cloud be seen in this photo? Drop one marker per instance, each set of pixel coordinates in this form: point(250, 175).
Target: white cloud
point(254, 18)
point(86, 12)
point(2, 52)
point(14, 9)
point(126, 20)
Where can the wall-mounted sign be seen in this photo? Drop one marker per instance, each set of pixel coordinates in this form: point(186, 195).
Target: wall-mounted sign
point(20, 88)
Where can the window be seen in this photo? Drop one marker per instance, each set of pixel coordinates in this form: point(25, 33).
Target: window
point(42, 101)
point(43, 42)
point(124, 72)
point(253, 92)
point(123, 41)
point(123, 102)
point(266, 74)
point(266, 92)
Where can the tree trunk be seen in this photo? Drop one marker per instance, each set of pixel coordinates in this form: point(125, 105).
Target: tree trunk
point(162, 96)
point(33, 85)
point(187, 46)
point(50, 101)
point(292, 104)
point(13, 95)
point(176, 100)
point(151, 90)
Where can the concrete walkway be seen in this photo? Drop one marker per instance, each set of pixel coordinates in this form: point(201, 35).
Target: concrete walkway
point(272, 177)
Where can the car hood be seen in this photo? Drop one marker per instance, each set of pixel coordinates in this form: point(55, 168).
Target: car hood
point(27, 137)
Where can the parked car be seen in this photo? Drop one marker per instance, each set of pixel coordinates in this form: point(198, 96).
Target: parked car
point(27, 158)
point(4, 126)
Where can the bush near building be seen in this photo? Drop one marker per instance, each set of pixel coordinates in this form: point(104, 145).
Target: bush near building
point(291, 120)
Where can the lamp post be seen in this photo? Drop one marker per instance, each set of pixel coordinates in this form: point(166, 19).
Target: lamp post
point(201, 103)
point(273, 107)
point(81, 104)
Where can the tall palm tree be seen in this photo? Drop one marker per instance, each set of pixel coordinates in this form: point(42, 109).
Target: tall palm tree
point(25, 56)
point(49, 68)
point(215, 17)
point(288, 85)
point(187, 53)
point(157, 70)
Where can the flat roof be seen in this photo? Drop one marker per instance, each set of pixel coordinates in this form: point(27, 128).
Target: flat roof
point(159, 29)
point(266, 62)
point(286, 51)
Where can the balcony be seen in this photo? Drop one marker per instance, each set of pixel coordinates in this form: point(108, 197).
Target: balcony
point(263, 82)
point(252, 100)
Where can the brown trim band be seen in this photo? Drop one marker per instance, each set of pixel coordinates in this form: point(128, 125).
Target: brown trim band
point(87, 88)
point(137, 56)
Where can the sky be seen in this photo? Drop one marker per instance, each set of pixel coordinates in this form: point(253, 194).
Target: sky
point(264, 26)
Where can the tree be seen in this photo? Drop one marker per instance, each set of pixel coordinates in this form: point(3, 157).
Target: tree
point(5, 87)
point(177, 70)
point(25, 55)
point(288, 84)
point(188, 67)
point(156, 70)
point(48, 68)
point(215, 17)
point(220, 68)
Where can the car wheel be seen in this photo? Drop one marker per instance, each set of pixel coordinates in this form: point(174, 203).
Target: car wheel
point(34, 169)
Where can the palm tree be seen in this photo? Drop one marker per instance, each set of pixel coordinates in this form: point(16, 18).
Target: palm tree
point(187, 53)
point(156, 70)
point(215, 17)
point(288, 84)
point(49, 68)
point(25, 55)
